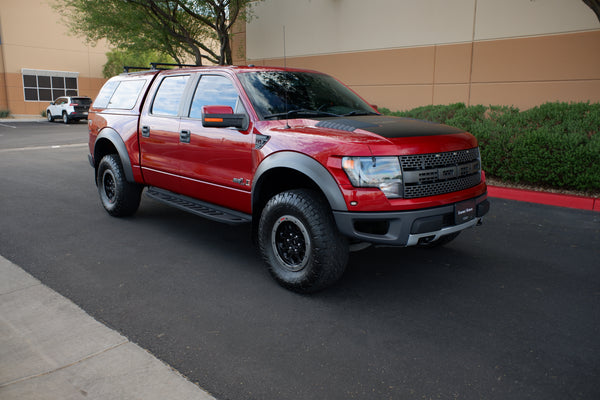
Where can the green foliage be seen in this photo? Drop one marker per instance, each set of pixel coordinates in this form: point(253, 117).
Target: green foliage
point(555, 145)
point(184, 29)
point(117, 59)
point(4, 113)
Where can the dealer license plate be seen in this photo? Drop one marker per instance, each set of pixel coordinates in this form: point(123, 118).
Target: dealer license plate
point(464, 211)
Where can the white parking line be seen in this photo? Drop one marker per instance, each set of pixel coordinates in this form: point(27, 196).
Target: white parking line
point(62, 146)
point(9, 126)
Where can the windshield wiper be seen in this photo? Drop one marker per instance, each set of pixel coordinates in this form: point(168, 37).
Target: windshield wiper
point(360, 112)
point(302, 111)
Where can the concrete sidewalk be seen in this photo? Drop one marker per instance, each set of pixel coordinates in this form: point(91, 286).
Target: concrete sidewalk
point(51, 349)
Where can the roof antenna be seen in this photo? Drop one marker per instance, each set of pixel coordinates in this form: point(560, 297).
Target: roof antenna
point(287, 125)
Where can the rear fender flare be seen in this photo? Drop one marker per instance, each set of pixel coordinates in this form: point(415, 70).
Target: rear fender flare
point(117, 141)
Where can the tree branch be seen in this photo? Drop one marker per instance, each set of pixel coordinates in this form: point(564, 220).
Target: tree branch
point(595, 6)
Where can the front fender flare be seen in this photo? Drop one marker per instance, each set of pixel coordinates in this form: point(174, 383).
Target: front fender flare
point(307, 166)
point(117, 141)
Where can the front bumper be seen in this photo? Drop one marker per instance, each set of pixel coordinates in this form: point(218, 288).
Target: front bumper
point(408, 228)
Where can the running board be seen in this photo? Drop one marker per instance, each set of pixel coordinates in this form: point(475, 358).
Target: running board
point(198, 207)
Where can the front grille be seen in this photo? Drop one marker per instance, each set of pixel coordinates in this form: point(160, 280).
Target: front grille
point(438, 173)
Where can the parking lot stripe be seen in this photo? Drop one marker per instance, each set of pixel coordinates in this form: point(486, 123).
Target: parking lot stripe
point(54, 146)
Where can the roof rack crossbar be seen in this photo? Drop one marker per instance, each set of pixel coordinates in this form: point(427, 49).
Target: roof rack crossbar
point(127, 68)
point(154, 65)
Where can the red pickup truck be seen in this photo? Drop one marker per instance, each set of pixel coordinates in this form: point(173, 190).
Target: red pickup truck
point(314, 168)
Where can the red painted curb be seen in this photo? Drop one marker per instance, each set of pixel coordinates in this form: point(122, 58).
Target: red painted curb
point(552, 199)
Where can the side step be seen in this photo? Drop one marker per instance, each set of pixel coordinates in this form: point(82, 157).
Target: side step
point(198, 207)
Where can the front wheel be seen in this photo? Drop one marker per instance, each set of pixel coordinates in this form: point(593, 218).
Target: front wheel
point(299, 242)
point(119, 197)
point(49, 116)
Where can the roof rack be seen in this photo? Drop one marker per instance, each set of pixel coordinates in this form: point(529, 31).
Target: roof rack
point(127, 68)
point(155, 66)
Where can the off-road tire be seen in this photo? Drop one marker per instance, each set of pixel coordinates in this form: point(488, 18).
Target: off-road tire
point(299, 242)
point(119, 197)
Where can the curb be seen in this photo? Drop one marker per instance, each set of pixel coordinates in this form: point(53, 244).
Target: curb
point(551, 199)
point(53, 349)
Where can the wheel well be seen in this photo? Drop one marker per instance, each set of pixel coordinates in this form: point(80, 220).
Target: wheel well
point(279, 180)
point(102, 148)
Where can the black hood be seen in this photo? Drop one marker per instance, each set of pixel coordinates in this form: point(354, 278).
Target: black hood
point(388, 127)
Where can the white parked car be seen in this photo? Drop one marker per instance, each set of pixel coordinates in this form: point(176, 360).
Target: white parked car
point(69, 109)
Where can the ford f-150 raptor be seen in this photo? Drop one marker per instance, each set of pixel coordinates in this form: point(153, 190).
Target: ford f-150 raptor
point(314, 168)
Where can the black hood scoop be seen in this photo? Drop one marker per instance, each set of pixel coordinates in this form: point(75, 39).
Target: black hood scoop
point(344, 124)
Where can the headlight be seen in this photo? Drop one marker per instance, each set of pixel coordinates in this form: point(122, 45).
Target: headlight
point(379, 172)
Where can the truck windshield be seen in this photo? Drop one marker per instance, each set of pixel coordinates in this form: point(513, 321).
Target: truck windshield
point(285, 94)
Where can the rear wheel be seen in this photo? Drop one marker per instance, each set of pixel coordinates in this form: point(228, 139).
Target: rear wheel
point(119, 197)
point(300, 243)
point(65, 118)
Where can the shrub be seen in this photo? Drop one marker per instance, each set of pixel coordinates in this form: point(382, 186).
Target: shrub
point(554, 145)
point(4, 113)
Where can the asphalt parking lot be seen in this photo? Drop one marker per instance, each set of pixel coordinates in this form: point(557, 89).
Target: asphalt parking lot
point(509, 310)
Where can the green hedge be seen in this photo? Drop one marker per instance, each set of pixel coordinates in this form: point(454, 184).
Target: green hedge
point(555, 145)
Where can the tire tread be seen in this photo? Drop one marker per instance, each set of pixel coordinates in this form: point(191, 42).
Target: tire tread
point(128, 194)
point(330, 248)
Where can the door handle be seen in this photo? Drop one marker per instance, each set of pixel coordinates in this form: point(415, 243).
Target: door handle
point(184, 136)
point(145, 131)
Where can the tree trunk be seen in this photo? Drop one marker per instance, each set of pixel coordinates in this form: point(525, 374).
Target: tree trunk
point(227, 51)
point(225, 47)
point(198, 56)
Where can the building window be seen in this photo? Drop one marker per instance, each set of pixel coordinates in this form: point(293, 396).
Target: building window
point(40, 85)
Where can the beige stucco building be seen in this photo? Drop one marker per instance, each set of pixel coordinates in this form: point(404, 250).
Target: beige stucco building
point(40, 61)
point(405, 53)
point(397, 54)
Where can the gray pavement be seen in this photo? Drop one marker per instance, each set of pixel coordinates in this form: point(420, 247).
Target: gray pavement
point(502, 313)
point(51, 349)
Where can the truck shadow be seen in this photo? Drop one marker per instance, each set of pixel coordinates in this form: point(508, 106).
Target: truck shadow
point(376, 270)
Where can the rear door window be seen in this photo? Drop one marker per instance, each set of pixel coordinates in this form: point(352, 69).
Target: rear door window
point(169, 95)
point(82, 101)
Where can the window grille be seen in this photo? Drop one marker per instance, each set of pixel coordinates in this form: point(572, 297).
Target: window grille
point(41, 85)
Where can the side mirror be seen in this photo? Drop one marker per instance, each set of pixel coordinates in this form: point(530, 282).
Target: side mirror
point(223, 117)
